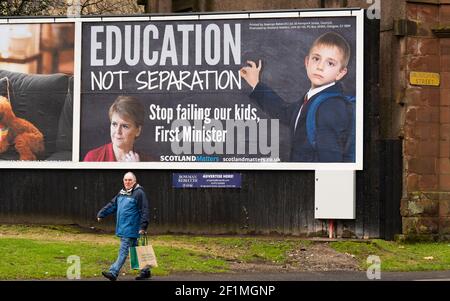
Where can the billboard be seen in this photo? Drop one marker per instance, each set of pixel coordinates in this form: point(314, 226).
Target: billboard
point(231, 91)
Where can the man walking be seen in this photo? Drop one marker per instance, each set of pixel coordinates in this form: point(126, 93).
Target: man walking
point(131, 208)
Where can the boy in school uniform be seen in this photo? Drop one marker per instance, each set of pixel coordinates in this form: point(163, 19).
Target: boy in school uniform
point(326, 64)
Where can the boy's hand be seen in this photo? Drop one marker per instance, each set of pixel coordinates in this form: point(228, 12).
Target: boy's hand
point(251, 73)
point(142, 232)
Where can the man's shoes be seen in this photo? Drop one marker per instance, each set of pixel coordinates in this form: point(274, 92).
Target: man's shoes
point(109, 275)
point(144, 275)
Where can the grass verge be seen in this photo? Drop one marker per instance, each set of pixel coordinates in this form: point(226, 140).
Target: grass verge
point(397, 256)
point(41, 252)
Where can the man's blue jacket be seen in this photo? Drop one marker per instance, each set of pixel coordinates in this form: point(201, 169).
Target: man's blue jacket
point(131, 210)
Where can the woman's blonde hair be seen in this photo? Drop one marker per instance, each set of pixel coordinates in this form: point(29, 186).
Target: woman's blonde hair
point(130, 107)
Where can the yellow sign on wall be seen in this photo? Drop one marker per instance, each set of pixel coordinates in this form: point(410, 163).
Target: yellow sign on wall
point(424, 78)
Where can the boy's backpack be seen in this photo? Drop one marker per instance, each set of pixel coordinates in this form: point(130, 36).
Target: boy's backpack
point(349, 147)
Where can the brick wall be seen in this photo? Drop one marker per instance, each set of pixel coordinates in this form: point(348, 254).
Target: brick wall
point(425, 206)
point(444, 207)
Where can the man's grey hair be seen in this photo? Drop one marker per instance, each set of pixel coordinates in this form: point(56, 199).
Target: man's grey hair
point(132, 174)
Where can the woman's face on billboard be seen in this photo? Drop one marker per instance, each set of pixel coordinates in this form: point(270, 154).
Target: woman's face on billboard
point(123, 132)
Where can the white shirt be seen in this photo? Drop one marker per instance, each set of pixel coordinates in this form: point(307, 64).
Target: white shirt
point(310, 94)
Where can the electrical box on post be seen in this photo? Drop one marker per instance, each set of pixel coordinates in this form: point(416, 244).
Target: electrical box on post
point(335, 194)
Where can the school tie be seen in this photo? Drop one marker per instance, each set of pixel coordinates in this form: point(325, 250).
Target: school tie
point(305, 102)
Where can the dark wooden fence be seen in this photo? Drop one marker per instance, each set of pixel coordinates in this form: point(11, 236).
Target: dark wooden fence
point(391, 188)
point(269, 202)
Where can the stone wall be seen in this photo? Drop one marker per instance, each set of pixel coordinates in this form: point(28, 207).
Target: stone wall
point(426, 123)
point(426, 215)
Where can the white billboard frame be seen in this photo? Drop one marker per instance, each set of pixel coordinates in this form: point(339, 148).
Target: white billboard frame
point(77, 164)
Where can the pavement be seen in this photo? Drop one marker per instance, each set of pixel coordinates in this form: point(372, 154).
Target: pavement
point(296, 276)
